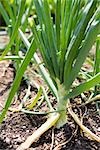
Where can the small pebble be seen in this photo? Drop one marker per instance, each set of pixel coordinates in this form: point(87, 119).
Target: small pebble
point(14, 136)
point(7, 140)
point(27, 131)
point(24, 127)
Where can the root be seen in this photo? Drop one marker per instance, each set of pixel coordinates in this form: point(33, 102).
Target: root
point(51, 148)
point(58, 147)
point(36, 135)
point(51, 121)
point(97, 97)
point(85, 129)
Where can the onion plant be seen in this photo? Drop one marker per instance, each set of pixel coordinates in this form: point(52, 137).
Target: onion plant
point(15, 15)
point(64, 42)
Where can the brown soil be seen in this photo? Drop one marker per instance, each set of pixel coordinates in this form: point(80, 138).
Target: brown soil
point(18, 126)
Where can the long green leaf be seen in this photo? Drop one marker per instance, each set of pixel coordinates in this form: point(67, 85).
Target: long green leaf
point(41, 37)
point(50, 31)
point(18, 78)
point(26, 15)
point(97, 58)
point(10, 11)
point(42, 48)
point(77, 39)
point(97, 65)
point(67, 36)
point(84, 86)
point(58, 19)
point(15, 30)
point(44, 17)
point(4, 14)
point(88, 43)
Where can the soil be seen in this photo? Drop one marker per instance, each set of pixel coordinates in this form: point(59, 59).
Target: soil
point(18, 126)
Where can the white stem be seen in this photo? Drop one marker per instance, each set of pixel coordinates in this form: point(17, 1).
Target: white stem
point(36, 135)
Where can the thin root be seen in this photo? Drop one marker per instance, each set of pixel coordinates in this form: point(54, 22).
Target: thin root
point(97, 97)
point(51, 148)
point(84, 128)
point(64, 143)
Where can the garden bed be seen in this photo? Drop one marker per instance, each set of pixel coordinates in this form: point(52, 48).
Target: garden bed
point(18, 126)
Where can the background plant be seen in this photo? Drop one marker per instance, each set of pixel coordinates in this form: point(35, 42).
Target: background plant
point(15, 14)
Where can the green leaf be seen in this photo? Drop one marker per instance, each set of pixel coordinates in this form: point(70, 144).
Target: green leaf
point(84, 86)
point(4, 14)
point(97, 65)
point(26, 15)
point(15, 30)
point(18, 78)
point(10, 11)
point(47, 24)
point(87, 45)
point(43, 71)
point(76, 40)
point(97, 58)
point(35, 100)
point(58, 19)
point(67, 34)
